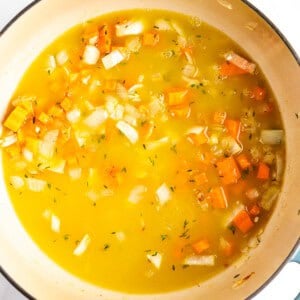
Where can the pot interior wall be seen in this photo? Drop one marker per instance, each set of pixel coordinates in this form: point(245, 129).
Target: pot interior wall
point(29, 36)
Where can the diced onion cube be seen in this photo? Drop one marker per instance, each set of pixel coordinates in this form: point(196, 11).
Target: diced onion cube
point(47, 145)
point(163, 194)
point(199, 260)
point(96, 118)
point(271, 137)
point(129, 28)
point(58, 166)
point(8, 140)
point(75, 173)
point(136, 193)
point(91, 55)
point(155, 259)
point(55, 223)
point(163, 25)
point(73, 116)
point(82, 246)
point(120, 236)
point(128, 131)
point(112, 59)
point(36, 185)
point(17, 182)
point(62, 57)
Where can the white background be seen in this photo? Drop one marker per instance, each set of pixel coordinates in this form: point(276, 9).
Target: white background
point(285, 14)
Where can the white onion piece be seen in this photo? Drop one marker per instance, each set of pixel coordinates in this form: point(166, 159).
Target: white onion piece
point(73, 115)
point(231, 146)
point(51, 64)
point(58, 166)
point(271, 136)
point(112, 59)
point(96, 118)
point(55, 223)
point(120, 236)
point(91, 55)
point(62, 57)
point(163, 25)
point(128, 131)
point(158, 143)
point(196, 130)
point(163, 194)
point(17, 182)
point(8, 140)
point(36, 185)
point(47, 145)
point(199, 260)
point(252, 194)
point(137, 194)
point(75, 173)
point(279, 166)
point(129, 28)
point(134, 44)
point(82, 246)
point(155, 259)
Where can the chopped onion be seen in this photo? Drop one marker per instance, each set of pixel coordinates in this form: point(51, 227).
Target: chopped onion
point(279, 167)
point(128, 131)
point(73, 116)
point(269, 197)
point(163, 194)
point(47, 214)
point(137, 193)
point(112, 59)
point(231, 215)
point(96, 118)
point(129, 28)
point(75, 173)
point(51, 64)
point(132, 92)
point(92, 195)
point(178, 29)
point(81, 137)
point(271, 136)
point(132, 111)
point(196, 130)
point(62, 57)
point(200, 260)
point(17, 182)
point(240, 62)
point(163, 25)
point(58, 166)
point(47, 145)
point(107, 193)
point(190, 70)
point(231, 146)
point(36, 185)
point(120, 236)
point(130, 120)
point(55, 223)
point(8, 140)
point(252, 194)
point(82, 246)
point(155, 259)
point(121, 91)
point(158, 143)
point(94, 40)
point(91, 55)
point(133, 44)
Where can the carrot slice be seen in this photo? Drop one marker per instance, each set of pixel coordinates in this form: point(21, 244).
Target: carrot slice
point(240, 62)
point(219, 117)
point(263, 171)
point(105, 39)
point(243, 162)
point(217, 197)
point(254, 210)
point(151, 38)
point(197, 139)
point(243, 221)
point(258, 93)
point(200, 246)
point(16, 119)
point(180, 111)
point(177, 96)
point(233, 127)
point(200, 178)
point(227, 69)
point(228, 171)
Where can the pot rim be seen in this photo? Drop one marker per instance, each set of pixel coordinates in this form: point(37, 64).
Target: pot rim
point(296, 57)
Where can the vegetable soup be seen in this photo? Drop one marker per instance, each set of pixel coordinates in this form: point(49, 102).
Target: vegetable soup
point(143, 151)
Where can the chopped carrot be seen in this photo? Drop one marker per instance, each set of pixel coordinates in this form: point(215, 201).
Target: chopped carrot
point(66, 104)
point(243, 221)
point(177, 96)
point(217, 197)
point(263, 171)
point(16, 119)
point(226, 246)
point(151, 38)
point(233, 127)
point(206, 158)
point(178, 252)
point(219, 117)
point(197, 139)
point(201, 178)
point(228, 170)
point(105, 39)
point(147, 129)
point(200, 246)
point(243, 162)
point(240, 62)
point(180, 111)
point(90, 31)
point(228, 69)
point(258, 93)
point(254, 209)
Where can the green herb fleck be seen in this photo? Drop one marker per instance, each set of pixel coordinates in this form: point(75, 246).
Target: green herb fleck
point(173, 188)
point(106, 247)
point(151, 160)
point(66, 237)
point(173, 148)
point(185, 266)
point(185, 223)
point(49, 185)
point(124, 170)
point(163, 236)
point(173, 268)
point(232, 229)
point(154, 254)
point(297, 115)
point(144, 146)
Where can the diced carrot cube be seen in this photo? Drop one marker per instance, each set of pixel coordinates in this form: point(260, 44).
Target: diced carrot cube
point(227, 69)
point(200, 246)
point(177, 96)
point(254, 210)
point(243, 162)
point(180, 111)
point(16, 119)
point(66, 104)
point(219, 117)
point(258, 93)
point(151, 38)
point(228, 170)
point(105, 39)
point(233, 127)
point(201, 178)
point(197, 139)
point(44, 118)
point(243, 221)
point(240, 62)
point(263, 171)
point(90, 31)
point(217, 197)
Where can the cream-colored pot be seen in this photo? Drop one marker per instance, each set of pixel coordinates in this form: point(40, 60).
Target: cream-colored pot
point(38, 26)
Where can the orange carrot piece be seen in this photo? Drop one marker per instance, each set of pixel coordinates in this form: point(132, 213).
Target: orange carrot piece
point(240, 62)
point(243, 162)
point(217, 198)
point(200, 246)
point(258, 93)
point(105, 39)
point(147, 129)
point(263, 171)
point(226, 247)
point(233, 127)
point(197, 139)
point(90, 31)
point(201, 178)
point(243, 221)
point(254, 210)
point(151, 38)
point(219, 117)
point(180, 111)
point(228, 171)
point(227, 69)
point(177, 96)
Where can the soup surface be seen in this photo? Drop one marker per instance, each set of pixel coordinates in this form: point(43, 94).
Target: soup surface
point(143, 151)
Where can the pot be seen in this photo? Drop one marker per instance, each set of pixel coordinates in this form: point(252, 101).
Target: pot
point(28, 35)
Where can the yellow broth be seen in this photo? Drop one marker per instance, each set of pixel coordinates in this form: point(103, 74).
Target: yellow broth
point(176, 196)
